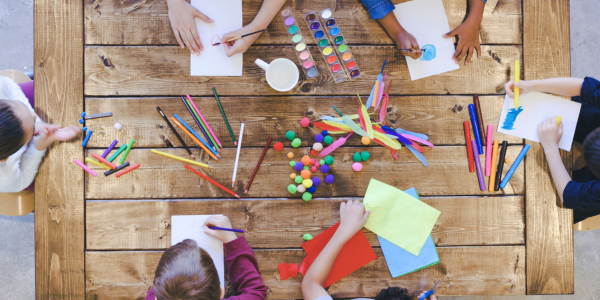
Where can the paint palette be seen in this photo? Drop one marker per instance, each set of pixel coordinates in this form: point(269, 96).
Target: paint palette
point(332, 29)
point(300, 46)
point(326, 48)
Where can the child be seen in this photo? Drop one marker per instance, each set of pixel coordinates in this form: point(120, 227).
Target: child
point(182, 14)
point(24, 138)
point(582, 194)
point(187, 272)
point(468, 31)
point(352, 219)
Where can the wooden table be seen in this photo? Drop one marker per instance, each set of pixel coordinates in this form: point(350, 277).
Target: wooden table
point(104, 236)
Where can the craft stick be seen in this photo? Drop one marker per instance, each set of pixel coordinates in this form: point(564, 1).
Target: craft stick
point(96, 116)
point(226, 229)
point(127, 170)
point(116, 154)
point(262, 156)
point(212, 181)
point(195, 136)
point(500, 165)
point(189, 161)
point(488, 150)
point(494, 167)
point(175, 132)
point(237, 155)
point(104, 161)
point(558, 119)
point(87, 138)
point(93, 162)
point(514, 166)
point(469, 148)
point(480, 124)
point(475, 129)
point(478, 166)
point(204, 120)
point(517, 78)
point(197, 120)
point(85, 167)
point(224, 116)
point(112, 145)
point(122, 161)
point(119, 168)
point(205, 126)
point(239, 37)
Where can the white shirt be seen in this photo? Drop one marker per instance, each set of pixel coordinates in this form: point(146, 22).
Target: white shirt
point(19, 170)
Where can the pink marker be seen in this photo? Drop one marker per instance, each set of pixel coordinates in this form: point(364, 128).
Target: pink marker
point(488, 150)
point(203, 120)
point(85, 167)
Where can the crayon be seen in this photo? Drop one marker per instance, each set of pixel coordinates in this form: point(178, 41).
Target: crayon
point(102, 115)
point(478, 166)
point(112, 145)
point(116, 154)
point(127, 170)
point(104, 161)
point(475, 131)
point(119, 168)
point(87, 138)
point(93, 162)
point(514, 166)
point(122, 161)
point(558, 119)
point(85, 167)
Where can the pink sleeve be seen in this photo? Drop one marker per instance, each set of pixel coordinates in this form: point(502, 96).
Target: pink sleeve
point(150, 294)
point(243, 271)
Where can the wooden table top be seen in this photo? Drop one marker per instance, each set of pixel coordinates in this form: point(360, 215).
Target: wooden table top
point(104, 236)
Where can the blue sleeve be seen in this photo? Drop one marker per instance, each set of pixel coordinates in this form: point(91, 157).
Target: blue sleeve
point(378, 8)
point(590, 92)
point(582, 196)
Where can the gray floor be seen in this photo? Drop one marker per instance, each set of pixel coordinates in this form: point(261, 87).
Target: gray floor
point(17, 265)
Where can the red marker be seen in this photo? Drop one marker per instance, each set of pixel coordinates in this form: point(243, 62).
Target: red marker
point(469, 149)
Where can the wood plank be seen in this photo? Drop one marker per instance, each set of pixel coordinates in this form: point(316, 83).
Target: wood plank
point(146, 225)
point(59, 213)
point(447, 174)
point(157, 70)
point(496, 270)
point(549, 237)
point(147, 22)
point(440, 117)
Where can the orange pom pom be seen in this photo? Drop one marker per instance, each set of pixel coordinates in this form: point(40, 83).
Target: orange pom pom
point(305, 174)
point(306, 160)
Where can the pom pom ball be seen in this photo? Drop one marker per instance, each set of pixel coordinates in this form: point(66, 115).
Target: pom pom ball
point(290, 155)
point(305, 168)
point(306, 160)
point(117, 127)
point(324, 132)
point(324, 168)
point(298, 166)
point(305, 174)
point(307, 237)
point(322, 161)
point(316, 181)
point(305, 122)
point(292, 163)
point(292, 189)
point(356, 157)
point(298, 179)
point(329, 179)
point(317, 146)
point(507, 160)
point(329, 160)
point(307, 196)
point(313, 161)
point(311, 189)
point(365, 140)
point(328, 140)
point(296, 143)
point(313, 169)
point(365, 155)
point(293, 176)
point(307, 183)
point(278, 146)
point(290, 135)
point(313, 152)
point(317, 164)
point(319, 138)
point(300, 188)
point(357, 166)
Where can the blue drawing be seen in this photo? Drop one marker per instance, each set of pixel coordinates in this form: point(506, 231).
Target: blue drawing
point(511, 117)
point(428, 52)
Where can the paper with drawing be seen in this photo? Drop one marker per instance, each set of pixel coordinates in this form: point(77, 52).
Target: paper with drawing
point(212, 61)
point(426, 20)
point(534, 108)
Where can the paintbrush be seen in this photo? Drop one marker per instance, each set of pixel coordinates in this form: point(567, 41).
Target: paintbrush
point(239, 37)
point(409, 50)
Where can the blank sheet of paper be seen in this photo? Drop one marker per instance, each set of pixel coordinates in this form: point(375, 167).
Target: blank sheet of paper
point(426, 20)
point(212, 61)
point(535, 108)
point(190, 227)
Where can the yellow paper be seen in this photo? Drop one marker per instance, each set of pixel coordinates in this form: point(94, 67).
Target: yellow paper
point(398, 217)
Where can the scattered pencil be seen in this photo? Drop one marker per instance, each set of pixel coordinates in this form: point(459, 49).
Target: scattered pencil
point(127, 170)
point(119, 168)
point(194, 136)
point(239, 37)
point(209, 134)
point(224, 116)
point(237, 155)
point(262, 156)
point(96, 116)
point(104, 161)
point(112, 145)
point(93, 162)
point(197, 121)
point(212, 181)
point(86, 168)
point(175, 132)
point(226, 229)
point(204, 120)
point(189, 161)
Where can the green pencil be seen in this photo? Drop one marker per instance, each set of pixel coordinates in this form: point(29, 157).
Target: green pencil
point(202, 124)
point(116, 154)
point(122, 161)
point(224, 116)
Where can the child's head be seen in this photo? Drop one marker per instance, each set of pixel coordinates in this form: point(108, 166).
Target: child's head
point(591, 151)
point(17, 124)
point(394, 293)
point(186, 272)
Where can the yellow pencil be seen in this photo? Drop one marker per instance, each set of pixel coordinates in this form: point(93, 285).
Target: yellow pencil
point(99, 164)
point(517, 77)
point(189, 161)
point(558, 119)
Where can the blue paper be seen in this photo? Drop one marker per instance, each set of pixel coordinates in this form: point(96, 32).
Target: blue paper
point(401, 262)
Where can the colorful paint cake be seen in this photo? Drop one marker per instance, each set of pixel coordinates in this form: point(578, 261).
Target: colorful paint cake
point(339, 44)
point(291, 25)
point(326, 46)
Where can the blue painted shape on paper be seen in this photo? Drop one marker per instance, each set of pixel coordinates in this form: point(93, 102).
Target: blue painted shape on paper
point(511, 117)
point(428, 52)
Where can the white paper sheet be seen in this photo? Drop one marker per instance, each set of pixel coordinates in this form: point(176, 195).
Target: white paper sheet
point(212, 61)
point(534, 108)
point(426, 20)
point(190, 227)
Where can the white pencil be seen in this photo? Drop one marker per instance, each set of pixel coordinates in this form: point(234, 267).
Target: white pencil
point(237, 155)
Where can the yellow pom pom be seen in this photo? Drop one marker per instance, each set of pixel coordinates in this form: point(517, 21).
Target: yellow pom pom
point(293, 176)
point(365, 140)
point(290, 155)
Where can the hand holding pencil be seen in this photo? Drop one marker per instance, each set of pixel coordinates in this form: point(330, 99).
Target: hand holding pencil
point(222, 235)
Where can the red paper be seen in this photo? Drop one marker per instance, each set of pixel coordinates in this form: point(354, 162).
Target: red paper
point(356, 253)
point(283, 272)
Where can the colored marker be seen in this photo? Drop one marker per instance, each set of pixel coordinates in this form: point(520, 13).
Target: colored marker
point(475, 129)
point(226, 229)
point(517, 77)
point(93, 162)
point(85, 167)
point(469, 148)
point(430, 292)
point(478, 166)
point(87, 138)
point(112, 145)
point(488, 150)
point(514, 166)
point(127, 170)
point(494, 167)
point(116, 154)
point(500, 165)
point(479, 120)
point(119, 168)
point(122, 161)
point(104, 161)
point(558, 119)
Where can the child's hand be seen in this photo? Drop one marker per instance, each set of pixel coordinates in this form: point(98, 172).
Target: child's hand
point(468, 40)
point(181, 15)
point(405, 40)
point(432, 297)
point(241, 45)
point(51, 134)
point(523, 85)
point(550, 133)
point(39, 126)
point(352, 218)
point(219, 221)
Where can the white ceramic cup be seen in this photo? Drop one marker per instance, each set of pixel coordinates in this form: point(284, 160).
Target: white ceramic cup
point(282, 73)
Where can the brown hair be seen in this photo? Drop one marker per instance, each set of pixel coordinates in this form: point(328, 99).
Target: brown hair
point(12, 136)
point(186, 272)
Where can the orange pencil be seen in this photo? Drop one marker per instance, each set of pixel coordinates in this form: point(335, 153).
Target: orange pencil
point(193, 138)
point(212, 181)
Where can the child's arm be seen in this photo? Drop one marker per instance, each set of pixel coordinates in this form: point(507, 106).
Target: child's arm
point(181, 15)
point(468, 32)
point(353, 217)
point(550, 135)
point(564, 86)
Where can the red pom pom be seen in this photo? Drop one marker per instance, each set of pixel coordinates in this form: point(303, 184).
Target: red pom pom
point(278, 146)
point(313, 152)
point(305, 122)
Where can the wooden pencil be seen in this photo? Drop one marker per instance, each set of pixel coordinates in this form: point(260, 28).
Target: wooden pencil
point(262, 156)
point(481, 128)
point(212, 181)
point(189, 161)
point(193, 138)
point(224, 116)
point(175, 132)
point(204, 123)
point(197, 120)
point(191, 130)
point(237, 155)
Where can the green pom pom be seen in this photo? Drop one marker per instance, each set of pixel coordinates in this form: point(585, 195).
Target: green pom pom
point(365, 156)
point(290, 135)
point(292, 189)
point(329, 160)
point(307, 196)
point(305, 168)
point(292, 163)
point(328, 140)
point(296, 143)
point(356, 157)
point(298, 179)
point(307, 237)
point(322, 162)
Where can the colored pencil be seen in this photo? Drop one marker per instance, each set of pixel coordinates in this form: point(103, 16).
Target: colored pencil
point(112, 145)
point(197, 120)
point(488, 150)
point(226, 229)
point(224, 116)
point(478, 166)
point(205, 122)
point(189, 161)
point(500, 165)
point(517, 78)
point(558, 119)
point(116, 154)
point(479, 121)
point(494, 167)
point(212, 181)
point(469, 148)
point(131, 142)
point(239, 37)
point(96, 116)
point(86, 168)
point(514, 166)
point(93, 162)
point(104, 161)
point(430, 292)
point(175, 132)
point(237, 155)
point(127, 170)
point(262, 156)
point(87, 138)
point(198, 139)
point(475, 130)
point(119, 168)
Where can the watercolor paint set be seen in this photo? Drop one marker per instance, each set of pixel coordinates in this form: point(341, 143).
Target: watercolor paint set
point(317, 30)
point(307, 63)
point(339, 43)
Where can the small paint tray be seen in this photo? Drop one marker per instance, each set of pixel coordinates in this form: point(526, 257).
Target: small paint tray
point(332, 29)
point(325, 47)
point(307, 63)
